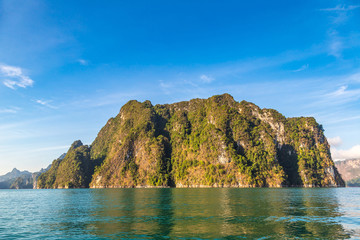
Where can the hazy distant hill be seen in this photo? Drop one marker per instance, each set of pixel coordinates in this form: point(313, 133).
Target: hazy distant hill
point(22, 179)
point(8, 179)
point(350, 171)
point(13, 174)
point(198, 143)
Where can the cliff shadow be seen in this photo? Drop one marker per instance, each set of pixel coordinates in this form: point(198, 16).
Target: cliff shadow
point(288, 159)
point(160, 129)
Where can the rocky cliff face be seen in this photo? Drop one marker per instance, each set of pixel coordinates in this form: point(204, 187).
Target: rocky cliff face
point(350, 171)
point(205, 143)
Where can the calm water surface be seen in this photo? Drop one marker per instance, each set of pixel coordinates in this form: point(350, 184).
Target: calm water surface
point(292, 213)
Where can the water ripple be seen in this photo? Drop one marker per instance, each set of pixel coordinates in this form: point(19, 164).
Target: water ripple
point(292, 213)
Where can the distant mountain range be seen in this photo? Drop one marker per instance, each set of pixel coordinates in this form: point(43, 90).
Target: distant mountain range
point(350, 171)
point(17, 179)
point(13, 174)
point(7, 180)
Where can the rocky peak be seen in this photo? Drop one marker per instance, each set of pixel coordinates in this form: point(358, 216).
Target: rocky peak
point(15, 171)
point(223, 99)
point(75, 145)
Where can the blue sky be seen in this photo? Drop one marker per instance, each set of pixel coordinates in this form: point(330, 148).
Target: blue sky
point(66, 67)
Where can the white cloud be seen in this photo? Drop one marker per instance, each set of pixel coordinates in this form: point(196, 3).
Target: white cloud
point(343, 119)
point(206, 79)
point(337, 92)
point(340, 13)
point(341, 91)
point(337, 40)
point(335, 44)
point(342, 95)
point(15, 77)
point(9, 110)
point(45, 103)
point(340, 8)
point(83, 62)
point(302, 68)
point(41, 102)
point(341, 154)
point(335, 141)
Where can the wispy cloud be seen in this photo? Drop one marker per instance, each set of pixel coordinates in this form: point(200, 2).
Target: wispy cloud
point(343, 95)
point(14, 77)
point(9, 110)
point(338, 37)
point(338, 41)
point(340, 14)
point(45, 103)
point(339, 91)
point(335, 47)
point(206, 79)
point(338, 118)
point(302, 68)
point(341, 8)
point(83, 62)
point(336, 44)
point(197, 80)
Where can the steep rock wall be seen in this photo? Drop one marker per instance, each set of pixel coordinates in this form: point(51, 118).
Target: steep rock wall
point(215, 142)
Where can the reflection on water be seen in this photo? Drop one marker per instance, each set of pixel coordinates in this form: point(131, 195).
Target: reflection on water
point(218, 213)
point(133, 212)
point(180, 213)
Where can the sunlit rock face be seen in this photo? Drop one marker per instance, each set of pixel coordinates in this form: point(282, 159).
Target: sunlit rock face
point(215, 142)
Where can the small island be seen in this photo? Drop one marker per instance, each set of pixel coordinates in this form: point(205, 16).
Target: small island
point(214, 142)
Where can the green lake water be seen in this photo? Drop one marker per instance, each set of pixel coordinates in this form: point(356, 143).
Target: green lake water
point(216, 213)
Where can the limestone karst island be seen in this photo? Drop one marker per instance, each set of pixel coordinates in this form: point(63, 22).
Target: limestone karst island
point(214, 142)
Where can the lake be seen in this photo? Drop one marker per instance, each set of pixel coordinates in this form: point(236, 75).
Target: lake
point(215, 213)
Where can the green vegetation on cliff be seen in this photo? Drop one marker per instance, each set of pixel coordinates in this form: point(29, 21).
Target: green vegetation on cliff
point(201, 142)
point(74, 171)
